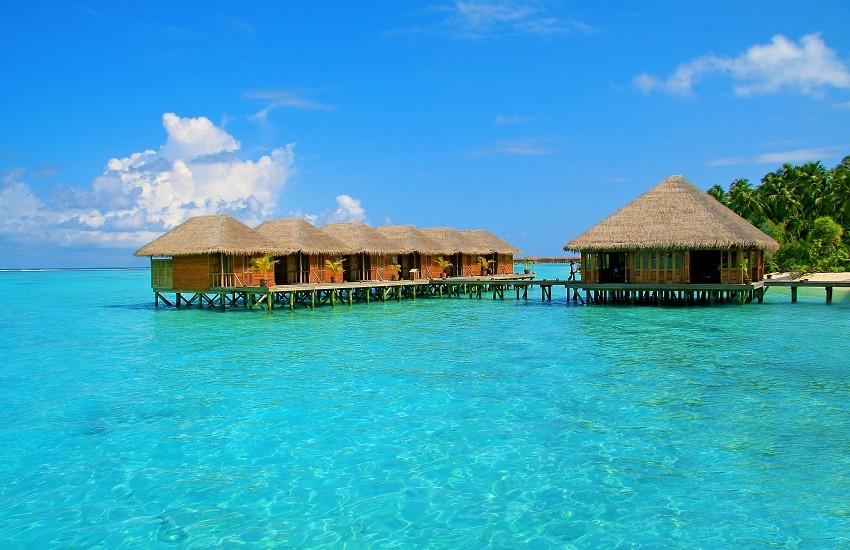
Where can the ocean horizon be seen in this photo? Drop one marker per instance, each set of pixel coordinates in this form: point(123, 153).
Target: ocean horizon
point(453, 422)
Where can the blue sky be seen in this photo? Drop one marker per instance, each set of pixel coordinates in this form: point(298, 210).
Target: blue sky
point(531, 119)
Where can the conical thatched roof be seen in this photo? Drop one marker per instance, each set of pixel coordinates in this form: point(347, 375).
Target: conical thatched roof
point(675, 214)
point(489, 240)
point(208, 235)
point(453, 241)
point(410, 238)
point(298, 235)
point(360, 238)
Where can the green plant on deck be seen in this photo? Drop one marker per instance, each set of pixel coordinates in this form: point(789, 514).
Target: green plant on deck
point(334, 266)
point(528, 263)
point(485, 264)
point(443, 263)
point(262, 265)
point(745, 269)
point(395, 267)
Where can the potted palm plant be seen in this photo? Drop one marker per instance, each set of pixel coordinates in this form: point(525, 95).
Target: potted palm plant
point(395, 268)
point(261, 266)
point(485, 265)
point(335, 267)
point(527, 264)
point(444, 265)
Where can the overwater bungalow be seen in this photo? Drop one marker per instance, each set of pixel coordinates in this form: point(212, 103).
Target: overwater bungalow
point(461, 250)
point(302, 249)
point(205, 252)
point(675, 233)
point(501, 253)
point(367, 255)
point(422, 250)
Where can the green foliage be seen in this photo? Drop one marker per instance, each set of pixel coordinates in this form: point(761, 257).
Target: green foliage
point(263, 264)
point(485, 263)
point(806, 209)
point(443, 263)
point(827, 250)
point(334, 266)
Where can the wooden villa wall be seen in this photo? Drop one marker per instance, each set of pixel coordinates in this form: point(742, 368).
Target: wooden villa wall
point(505, 264)
point(658, 266)
point(673, 266)
point(162, 273)
point(202, 272)
point(309, 269)
point(191, 272)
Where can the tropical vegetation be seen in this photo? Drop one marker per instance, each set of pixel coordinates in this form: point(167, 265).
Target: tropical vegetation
point(263, 264)
point(805, 208)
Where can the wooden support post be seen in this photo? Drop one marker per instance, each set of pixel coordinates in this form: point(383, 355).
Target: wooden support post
point(793, 294)
point(829, 295)
point(760, 295)
point(270, 301)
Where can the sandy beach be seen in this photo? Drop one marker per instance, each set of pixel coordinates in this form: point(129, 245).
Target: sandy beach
point(813, 277)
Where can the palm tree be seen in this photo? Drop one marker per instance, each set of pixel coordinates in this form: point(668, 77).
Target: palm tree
point(718, 193)
point(744, 201)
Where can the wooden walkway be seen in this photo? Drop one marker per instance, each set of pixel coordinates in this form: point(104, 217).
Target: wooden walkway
point(577, 292)
point(794, 284)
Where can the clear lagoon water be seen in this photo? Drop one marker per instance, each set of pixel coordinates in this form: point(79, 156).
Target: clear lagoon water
point(450, 423)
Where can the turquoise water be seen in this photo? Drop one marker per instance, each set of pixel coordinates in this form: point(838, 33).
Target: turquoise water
point(450, 423)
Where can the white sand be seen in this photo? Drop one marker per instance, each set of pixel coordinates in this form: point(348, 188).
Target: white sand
point(815, 277)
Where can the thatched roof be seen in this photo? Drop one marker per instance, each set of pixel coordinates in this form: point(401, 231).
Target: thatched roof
point(410, 238)
point(453, 241)
point(487, 239)
point(360, 238)
point(298, 235)
point(675, 214)
point(208, 235)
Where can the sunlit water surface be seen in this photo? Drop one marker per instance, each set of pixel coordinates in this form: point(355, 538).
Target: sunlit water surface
point(442, 423)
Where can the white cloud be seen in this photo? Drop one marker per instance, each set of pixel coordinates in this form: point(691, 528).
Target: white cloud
point(806, 68)
point(348, 210)
point(479, 19)
point(276, 99)
point(520, 146)
point(190, 138)
point(508, 120)
point(136, 197)
point(782, 157)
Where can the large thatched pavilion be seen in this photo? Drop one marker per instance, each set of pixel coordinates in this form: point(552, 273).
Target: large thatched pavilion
point(205, 252)
point(674, 233)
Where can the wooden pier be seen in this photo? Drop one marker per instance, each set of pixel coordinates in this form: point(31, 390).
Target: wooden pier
point(496, 287)
point(794, 284)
